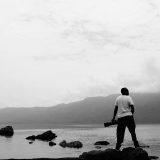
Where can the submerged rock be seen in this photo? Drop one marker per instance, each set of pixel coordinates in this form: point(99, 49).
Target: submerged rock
point(74, 144)
point(112, 154)
point(153, 157)
point(46, 136)
point(7, 131)
point(144, 146)
point(98, 147)
point(102, 143)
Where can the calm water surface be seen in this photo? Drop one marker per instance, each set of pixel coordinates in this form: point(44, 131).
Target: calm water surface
point(19, 147)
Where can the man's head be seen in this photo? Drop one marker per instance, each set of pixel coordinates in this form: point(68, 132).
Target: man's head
point(125, 91)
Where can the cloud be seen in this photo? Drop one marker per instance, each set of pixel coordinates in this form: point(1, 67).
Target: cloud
point(152, 71)
point(57, 51)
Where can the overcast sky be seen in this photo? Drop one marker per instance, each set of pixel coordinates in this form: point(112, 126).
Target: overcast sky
point(55, 51)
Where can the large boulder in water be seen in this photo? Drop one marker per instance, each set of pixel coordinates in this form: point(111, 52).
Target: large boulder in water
point(112, 154)
point(46, 136)
point(7, 131)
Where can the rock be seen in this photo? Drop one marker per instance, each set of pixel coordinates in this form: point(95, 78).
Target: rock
point(46, 136)
point(108, 154)
point(127, 151)
point(7, 131)
point(138, 154)
point(74, 144)
point(33, 137)
point(135, 154)
point(102, 143)
point(112, 154)
point(153, 157)
point(144, 146)
point(52, 143)
point(98, 147)
point(63, 144)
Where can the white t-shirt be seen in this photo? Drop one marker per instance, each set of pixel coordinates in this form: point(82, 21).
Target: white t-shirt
point(123, 103)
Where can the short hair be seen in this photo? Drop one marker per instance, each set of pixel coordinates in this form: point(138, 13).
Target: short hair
point(125, 91)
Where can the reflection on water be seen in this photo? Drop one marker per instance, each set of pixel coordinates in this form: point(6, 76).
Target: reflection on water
point(19, 147)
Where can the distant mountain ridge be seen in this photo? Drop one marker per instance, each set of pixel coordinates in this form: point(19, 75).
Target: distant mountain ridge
point(93, 110)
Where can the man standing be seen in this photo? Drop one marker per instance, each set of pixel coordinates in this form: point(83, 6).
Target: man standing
point(125, 107)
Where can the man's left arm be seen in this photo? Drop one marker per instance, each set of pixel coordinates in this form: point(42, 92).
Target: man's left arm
point(132, 108)
point(131, 105)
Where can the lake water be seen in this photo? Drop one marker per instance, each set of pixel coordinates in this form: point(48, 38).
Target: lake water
point(19, 147)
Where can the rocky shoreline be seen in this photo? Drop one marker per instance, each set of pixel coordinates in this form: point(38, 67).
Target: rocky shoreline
point(128, 153)
point(108, 154)
point(46, 159)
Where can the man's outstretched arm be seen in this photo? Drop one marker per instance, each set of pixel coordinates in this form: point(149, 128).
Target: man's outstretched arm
point(115, 113)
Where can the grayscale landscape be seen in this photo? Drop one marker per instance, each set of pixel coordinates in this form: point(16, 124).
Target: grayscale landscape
point(63, 64)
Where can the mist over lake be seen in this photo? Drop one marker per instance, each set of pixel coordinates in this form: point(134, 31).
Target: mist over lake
point(91, 110)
